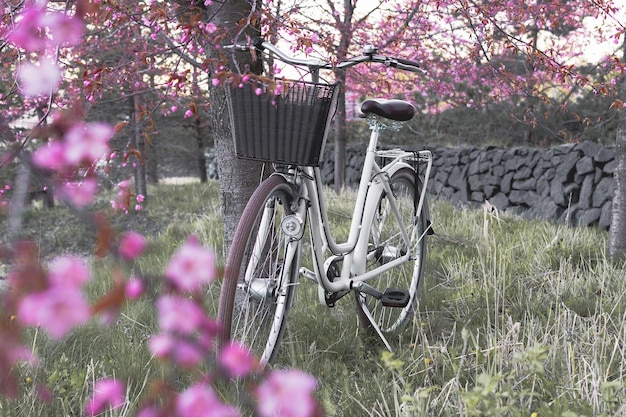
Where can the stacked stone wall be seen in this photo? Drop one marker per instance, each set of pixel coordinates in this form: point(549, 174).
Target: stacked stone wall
point(572, 183)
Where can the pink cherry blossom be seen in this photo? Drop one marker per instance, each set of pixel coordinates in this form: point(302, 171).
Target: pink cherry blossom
point(134, 288)
point(38, 30)
point(237, 360)
point(50, 155)
point(286, 393)
point(68, 270)
point(132, 245)
point(200, 400)
point(29, 33)
point(107, 393)
point(191, 267)
point(81, 193)
point(57, 310)
point(41, 79)
point(64, 30)
point(87, 142)
point(180, 315)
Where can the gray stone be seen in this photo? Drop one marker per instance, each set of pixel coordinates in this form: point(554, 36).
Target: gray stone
point(505, 185)
point(603, 192)
point(524, 198)
point(543, 187)
point(522, 173)
point(609, 168)
point(584, 165)
point(589, 149)
point(556, 192)
point(546, 210)
point(500, 201)
point(605, 218)
point(524, 185)
point(588, 217)
point(586, 192)
point(490, 190)
point(477, 196)
point(605, 155)
point(565, 169)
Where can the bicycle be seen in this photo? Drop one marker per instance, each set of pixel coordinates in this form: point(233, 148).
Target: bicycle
point(382, 260)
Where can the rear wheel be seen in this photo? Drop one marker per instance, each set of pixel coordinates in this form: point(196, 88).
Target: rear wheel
point(261, 272)
point(386, 244)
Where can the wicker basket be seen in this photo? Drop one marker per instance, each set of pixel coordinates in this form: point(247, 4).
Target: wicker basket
point(287, 128)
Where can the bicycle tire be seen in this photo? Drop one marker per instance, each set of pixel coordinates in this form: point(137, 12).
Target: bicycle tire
point(257, 319)
point(384, 240)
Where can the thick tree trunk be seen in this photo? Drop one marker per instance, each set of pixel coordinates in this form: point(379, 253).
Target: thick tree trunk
point(238, 178)
point(617, 242)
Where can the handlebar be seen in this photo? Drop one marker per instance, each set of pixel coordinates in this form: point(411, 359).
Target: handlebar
point(369, 54)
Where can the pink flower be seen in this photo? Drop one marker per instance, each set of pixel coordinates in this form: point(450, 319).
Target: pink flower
point(37, 80)
point(68, 270)
point(286, 394)
point(180, 315)
point(188, 114)
point(57, 309)
point(215, 82)
point(80, 194)
point(258, 91)
point(191, 267)
point(134, 288)
point(107, 393)
point(210, 27)
point(65, 30)
point(87, 142)
point(161, 345)
point(132, 245)
point(50, 155)
point(237, 360)
point(29, 33)
point(200, 400)
point(35, 25)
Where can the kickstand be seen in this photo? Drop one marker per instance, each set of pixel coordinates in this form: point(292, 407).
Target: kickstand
point(374, 325)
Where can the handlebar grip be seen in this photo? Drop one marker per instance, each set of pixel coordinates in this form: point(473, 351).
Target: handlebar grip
point(408, 62)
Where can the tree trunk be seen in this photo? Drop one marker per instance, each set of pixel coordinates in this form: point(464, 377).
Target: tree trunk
point(138, 145)
point(202, 165)
point(617, 239)
point(340, 134)
point(238, 178)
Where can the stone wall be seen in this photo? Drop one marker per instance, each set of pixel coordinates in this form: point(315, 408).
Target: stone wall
point(572, 183)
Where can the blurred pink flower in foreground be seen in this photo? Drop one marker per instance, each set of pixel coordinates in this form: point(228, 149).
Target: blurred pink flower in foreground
point(62, 306)
point(191, 267)
point(58, 310)
point(82, 143)
point(68, 270)
point(200, 400)
point(79, 193)
point(38, 29)
point(41, 79)
point(180, 315)
point(87, 142)
point(107, 393)
point(132, 245)
point(286, 393)
point(237, 360)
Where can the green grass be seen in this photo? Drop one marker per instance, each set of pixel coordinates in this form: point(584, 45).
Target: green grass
point(516, 317)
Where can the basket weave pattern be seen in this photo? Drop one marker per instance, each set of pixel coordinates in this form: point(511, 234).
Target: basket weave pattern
point(288, 128)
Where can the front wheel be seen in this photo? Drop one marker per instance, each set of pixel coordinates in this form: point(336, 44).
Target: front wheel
point(261, 272)
point(386, 244)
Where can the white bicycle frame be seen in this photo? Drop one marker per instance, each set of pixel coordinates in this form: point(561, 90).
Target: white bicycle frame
point(374, 180)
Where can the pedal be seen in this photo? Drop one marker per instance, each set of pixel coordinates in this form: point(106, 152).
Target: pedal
point(395, 297)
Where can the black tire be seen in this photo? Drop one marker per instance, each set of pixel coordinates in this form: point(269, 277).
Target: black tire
point(257, 318)
point(385, 243)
